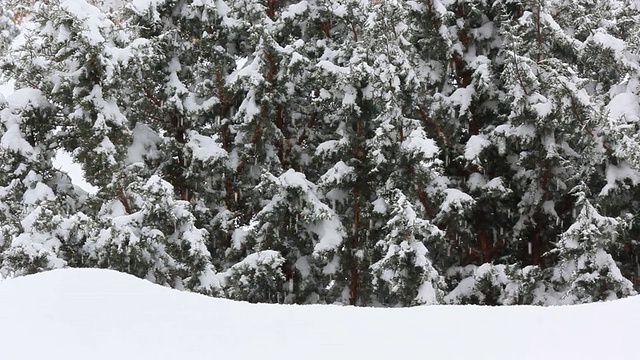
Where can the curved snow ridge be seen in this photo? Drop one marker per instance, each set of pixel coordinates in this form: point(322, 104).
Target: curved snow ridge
point(100, 314)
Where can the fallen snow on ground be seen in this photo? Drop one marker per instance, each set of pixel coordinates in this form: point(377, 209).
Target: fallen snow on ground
point(99, 314)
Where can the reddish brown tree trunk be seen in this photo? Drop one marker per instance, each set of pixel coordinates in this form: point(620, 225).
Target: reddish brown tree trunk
point(179, 171)
point(539, 33)
point(355, 244)
point(282, 153)
point(353, 287)
point(326, 28)
point(535, 247)
point(124, 201)
point(485, 247)
point(271, 8)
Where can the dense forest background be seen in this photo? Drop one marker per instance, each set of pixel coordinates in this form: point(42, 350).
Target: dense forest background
point(364, 152)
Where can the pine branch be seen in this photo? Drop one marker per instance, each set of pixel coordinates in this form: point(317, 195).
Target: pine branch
point(440, 134)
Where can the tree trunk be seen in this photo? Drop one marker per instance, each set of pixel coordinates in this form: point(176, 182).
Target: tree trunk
point(355, 244)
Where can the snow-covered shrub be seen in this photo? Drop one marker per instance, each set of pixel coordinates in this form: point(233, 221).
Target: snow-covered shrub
point(257, 278)
point(487, 284)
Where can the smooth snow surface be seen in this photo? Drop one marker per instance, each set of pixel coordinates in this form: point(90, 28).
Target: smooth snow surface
point(98, 314)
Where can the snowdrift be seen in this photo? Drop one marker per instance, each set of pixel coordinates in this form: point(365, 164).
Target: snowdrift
point(99, 314)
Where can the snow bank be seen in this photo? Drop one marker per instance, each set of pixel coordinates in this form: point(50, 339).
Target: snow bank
point(98, 314)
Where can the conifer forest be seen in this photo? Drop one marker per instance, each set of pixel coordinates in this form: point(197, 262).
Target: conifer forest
point(363, 152)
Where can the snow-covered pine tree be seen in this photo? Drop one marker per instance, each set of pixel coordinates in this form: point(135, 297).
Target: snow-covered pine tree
point(274, 105)
point(8, 26)
point(277, 126)
point(405, 172)
point(461, 112)
point(42, 228)
point(90, 71)
point(261, 116)
point(487, 284)
point(514, 88)
point(346, 74)
point(58, 55)
point(405, 275)
point(315, 148)
point(585, 271)
point(294, 224)
point(154, 237)
point(257, 278)
point(212, 135)
point(545, 100)
point(175, 47)
point(613, 60)
point(70, 56)
point(178, 105)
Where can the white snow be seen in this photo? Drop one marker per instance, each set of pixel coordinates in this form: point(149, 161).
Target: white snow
point(330, 235)
point(27, 99)
point(40, 192)
point(617, 173)
point(338, 10)
point(293, 179)
point(418, 142)
point(608, 41)
point(474, 146)
point(624, 106)
point(327, 147)
point(145, 144)
point(380, 206)
point(337, 174)
point(93, 18)
point(521, 131)
point(205, 148)
point(260, 258)
point(330, 68)
point(476, 181)
point(497, 183)
point(541, 105)
point(23, 98)
point(295, 10)
point(141, 6)
point(455, 200)
point(103, 315)
point(12, 138)
point(462, 97)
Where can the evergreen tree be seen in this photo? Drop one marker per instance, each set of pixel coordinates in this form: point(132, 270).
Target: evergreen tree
point(177, 104)
point(257, 278)
point(488, 284)
point(349, 122)
point(275, 114)
point(613, 58)
point(172, 44)
point(387, 153)
point(70, 56)
point(8, 27)
point(586, 272)
point(461, 114)
point(156, 238)
point(41, 226)
point(296, 225)
point(406, 171)
point(405, 275)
